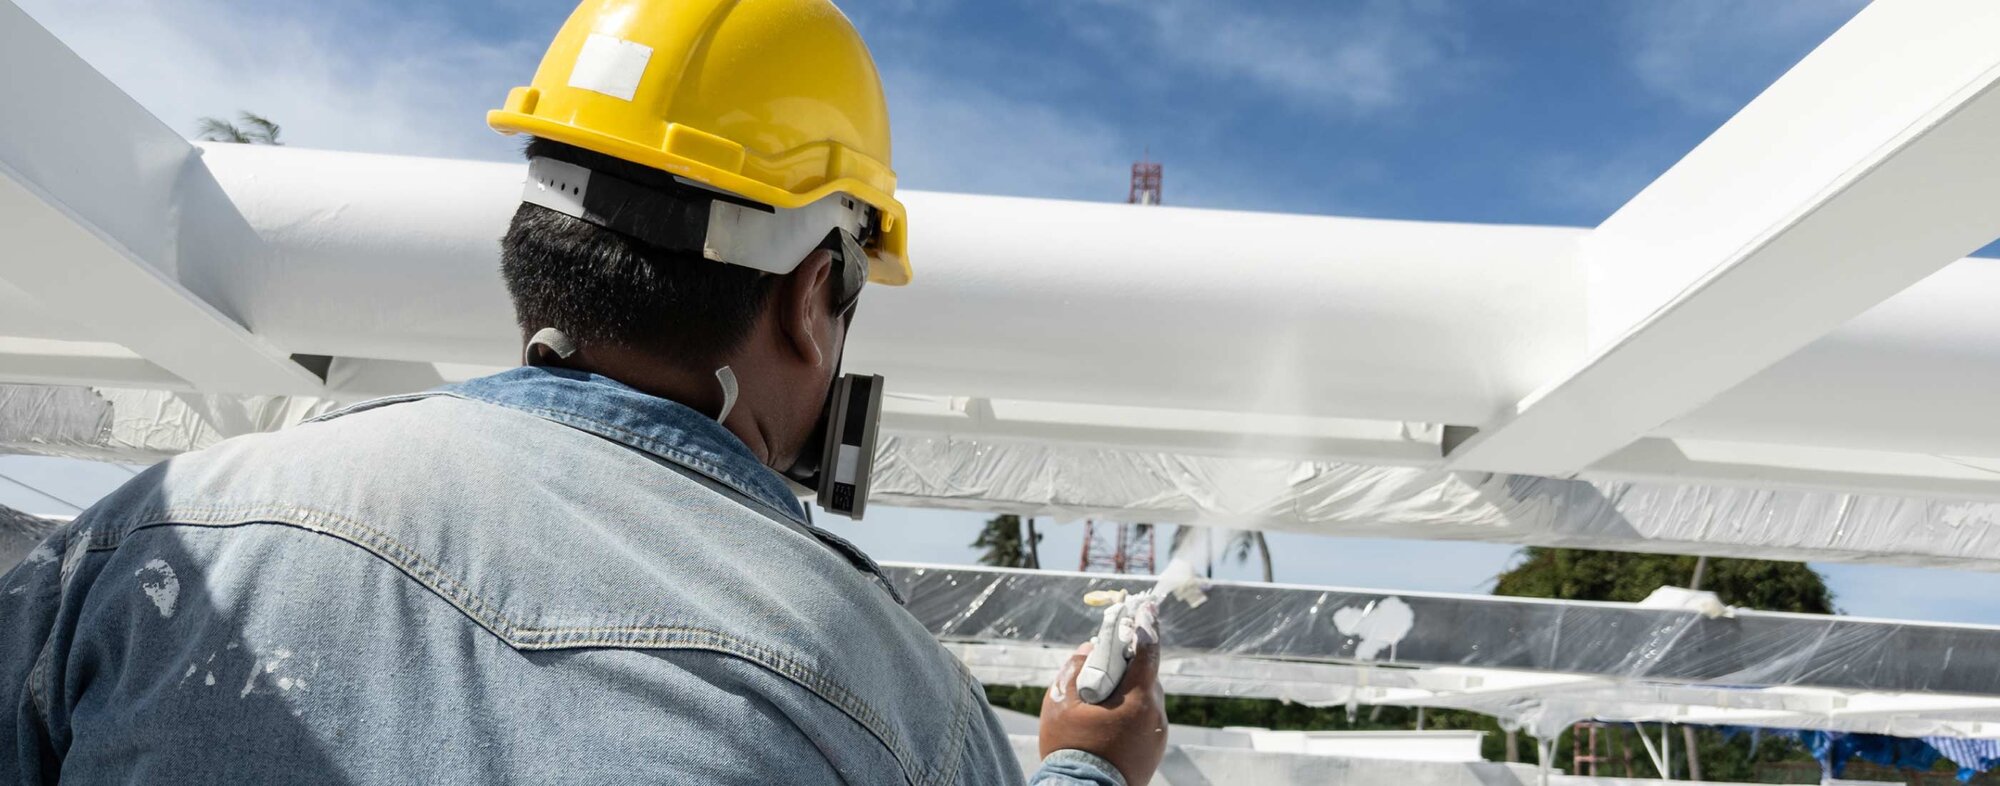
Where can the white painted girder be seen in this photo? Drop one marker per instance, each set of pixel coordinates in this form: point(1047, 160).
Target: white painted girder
point(1344, 387)
point(100, 204)
point(1867, 168)
point(1160, 329)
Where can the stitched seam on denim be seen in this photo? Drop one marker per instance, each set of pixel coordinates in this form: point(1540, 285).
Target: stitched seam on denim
point(572, 419)
point(654, 446)
point(36, 676)
point(713, 472)
point(650, 445)
point(968, 688)
point(375, 403)
point(575, 420)
point(522, 636)
point(707, 468)
point(856, 558)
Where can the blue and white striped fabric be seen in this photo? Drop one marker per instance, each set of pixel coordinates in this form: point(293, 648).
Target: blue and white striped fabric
point(1972, 756)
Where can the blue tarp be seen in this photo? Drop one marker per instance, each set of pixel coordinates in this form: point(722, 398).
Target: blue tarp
point(1835, 749)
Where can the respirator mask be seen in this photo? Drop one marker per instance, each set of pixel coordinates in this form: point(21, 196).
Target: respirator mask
point(682, 216)
point(839, 457)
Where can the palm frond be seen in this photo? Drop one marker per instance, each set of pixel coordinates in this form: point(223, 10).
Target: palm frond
point(261, 129)
point(211, 129)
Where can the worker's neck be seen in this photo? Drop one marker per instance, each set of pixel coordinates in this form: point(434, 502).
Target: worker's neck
point(699, 390)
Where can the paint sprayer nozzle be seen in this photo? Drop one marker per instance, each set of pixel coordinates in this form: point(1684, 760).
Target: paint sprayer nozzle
point(1124, 614)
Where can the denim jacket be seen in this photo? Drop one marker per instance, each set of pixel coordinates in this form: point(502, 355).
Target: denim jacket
point(537, 577)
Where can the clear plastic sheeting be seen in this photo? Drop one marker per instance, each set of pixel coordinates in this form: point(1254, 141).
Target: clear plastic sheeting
point(1322, 498)
point(110, 424)
point(1540, 665)
point(928, 469)
point(35, 418)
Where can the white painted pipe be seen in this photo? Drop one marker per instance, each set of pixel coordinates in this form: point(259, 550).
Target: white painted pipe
point(396, 258)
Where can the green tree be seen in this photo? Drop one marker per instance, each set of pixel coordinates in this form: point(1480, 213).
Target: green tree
point(256, 130)
point(1008, 543)
point(1572, 574)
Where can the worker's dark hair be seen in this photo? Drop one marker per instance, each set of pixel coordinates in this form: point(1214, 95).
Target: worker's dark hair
point(601, 287)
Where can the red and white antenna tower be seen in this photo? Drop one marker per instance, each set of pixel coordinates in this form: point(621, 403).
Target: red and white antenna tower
point(1117, 548)
point(1145, 181)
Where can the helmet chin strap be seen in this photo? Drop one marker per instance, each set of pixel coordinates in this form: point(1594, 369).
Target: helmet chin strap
point(727, 378)
point(554, 340)
point(559, 343)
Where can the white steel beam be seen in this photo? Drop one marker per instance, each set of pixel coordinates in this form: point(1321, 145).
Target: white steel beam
point(99, 205)
point(1865, 169)
point(38, 361)
point(1769, 465)
point(1205, 432)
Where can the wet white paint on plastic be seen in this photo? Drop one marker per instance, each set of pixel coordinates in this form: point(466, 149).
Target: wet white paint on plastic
point(161, 585)
point(1380, 625)
point(611, 66)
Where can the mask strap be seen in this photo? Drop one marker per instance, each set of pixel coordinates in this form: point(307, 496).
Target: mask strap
point(727, 378)
point(551, 338)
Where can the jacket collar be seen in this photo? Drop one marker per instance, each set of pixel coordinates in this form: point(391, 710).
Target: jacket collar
point(617, 412)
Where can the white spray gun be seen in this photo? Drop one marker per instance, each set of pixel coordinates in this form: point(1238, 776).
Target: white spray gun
point(1117, 638)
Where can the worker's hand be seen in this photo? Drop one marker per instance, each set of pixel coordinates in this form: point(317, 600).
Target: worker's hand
point(1129, 729)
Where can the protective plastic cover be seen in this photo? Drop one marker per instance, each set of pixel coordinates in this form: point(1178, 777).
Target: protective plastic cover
point(1540, 664)
point(1068, 482)
point(110, 424)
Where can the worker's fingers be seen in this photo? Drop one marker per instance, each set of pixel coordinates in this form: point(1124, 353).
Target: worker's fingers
point(1144, 670)
point(1065, 684)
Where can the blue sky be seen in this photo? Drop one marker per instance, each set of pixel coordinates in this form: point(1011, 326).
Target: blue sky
point(1477, 110)
point(1514, 111)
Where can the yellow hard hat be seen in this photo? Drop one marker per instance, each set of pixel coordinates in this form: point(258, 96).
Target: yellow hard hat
point(777, 101)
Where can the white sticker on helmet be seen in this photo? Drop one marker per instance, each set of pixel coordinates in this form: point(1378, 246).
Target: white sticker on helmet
point(611, 66)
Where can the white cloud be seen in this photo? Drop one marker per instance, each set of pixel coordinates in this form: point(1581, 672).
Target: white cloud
point(424, 89)
point(1356, 60)
point(415, 89)
point(1713, 56)
point(958, 136)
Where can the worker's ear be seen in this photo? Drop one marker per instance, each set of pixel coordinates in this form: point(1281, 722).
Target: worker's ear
point(803, 307)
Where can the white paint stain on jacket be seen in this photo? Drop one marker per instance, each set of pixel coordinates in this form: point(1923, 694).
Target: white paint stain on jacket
point(161, 585)
point(264, 666)
point(79, 547)
point(1380, 625)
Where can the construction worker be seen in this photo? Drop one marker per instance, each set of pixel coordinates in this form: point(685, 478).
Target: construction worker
point(591, 569)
